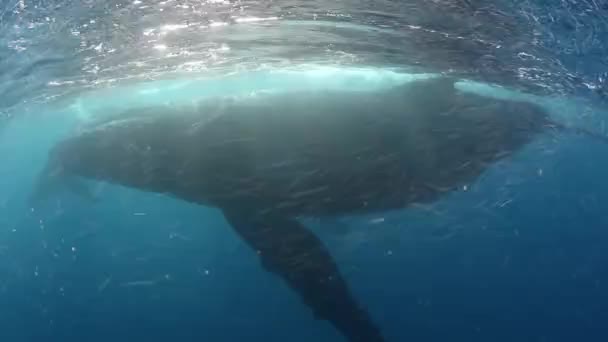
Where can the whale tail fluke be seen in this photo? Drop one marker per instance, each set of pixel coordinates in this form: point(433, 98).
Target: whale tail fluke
point(290, 250)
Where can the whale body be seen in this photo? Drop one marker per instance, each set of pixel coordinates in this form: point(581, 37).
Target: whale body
point(269, 159)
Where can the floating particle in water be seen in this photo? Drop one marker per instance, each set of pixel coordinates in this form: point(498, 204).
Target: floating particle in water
point(179, 236)
point(377, 220)
point(506, 261)
point(104, 284)
point(503, 204)
point(139, 283)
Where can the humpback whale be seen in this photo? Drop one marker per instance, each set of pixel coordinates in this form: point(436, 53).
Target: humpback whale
point(267, 160)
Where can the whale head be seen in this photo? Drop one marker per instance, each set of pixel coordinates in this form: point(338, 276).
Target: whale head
point(128, 150)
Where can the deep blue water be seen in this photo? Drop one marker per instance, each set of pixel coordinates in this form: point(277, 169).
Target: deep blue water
point(519, 256)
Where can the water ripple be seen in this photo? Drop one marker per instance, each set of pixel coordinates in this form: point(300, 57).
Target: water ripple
point(82, 45)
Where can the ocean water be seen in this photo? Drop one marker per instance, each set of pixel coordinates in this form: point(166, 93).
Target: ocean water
point(520, 256)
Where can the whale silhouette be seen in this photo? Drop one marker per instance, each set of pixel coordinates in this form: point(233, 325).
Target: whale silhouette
point(269, 159)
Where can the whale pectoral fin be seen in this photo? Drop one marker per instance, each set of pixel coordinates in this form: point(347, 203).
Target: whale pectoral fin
point(291, 251)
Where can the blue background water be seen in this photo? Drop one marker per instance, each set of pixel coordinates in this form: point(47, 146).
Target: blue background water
point(519, 256)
